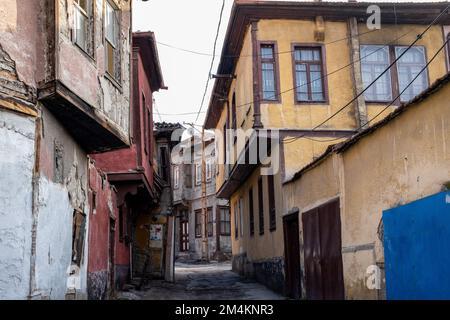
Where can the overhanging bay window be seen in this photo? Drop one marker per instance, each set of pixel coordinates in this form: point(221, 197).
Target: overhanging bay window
point(375, 59)
point(112, 41)
point(83, 33)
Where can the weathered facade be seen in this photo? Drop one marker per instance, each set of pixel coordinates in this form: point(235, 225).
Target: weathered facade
point(58, 102)
point(131, 171)
point(408, 160)
point(287, 67)
point(192, 234)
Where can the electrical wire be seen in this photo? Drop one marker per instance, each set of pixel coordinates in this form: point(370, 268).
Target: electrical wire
point(328, 74)
point(257, 55)
point(376, 79)
point(212, 60)
point(393, 100)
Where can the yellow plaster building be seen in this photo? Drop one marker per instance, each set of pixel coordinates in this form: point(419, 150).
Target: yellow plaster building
point(287, 67)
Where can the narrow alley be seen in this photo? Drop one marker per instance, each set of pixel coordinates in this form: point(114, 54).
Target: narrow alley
point(203, 281)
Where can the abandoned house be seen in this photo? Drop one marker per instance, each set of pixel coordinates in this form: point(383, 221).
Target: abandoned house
point(64, 93)
point(199, 237)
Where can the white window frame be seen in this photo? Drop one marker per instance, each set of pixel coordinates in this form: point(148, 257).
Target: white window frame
point(209, 168)
point(198, 174)
point(176, 177)
point(81, 32)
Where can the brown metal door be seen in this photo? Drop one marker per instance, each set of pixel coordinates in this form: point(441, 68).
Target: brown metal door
point(322, 250)
point(292, 255)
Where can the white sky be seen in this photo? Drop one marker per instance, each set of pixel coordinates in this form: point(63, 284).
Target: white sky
point(188, 24)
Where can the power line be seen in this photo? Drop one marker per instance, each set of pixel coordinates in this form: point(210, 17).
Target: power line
point(393, 100)
point(212, 60)
point(377, 78)
point(251, 55)
point(179, 114)
point(328, 74)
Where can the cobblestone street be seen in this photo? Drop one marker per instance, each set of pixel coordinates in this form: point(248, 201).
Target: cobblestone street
point(204, 281)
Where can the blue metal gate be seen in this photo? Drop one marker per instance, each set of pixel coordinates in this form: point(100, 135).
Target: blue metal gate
point(417, 249)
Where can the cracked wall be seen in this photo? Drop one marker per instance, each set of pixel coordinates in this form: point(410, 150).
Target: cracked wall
point(16, 171)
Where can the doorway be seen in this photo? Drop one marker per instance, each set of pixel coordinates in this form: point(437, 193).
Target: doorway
point(112, 246)
point(322, 252)
point(292, 256)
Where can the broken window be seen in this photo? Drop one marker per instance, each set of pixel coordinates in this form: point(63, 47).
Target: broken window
point(83, 35)
point(112, 41)
point(78, 233)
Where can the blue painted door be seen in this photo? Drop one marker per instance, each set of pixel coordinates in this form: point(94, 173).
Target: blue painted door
point(417, 249)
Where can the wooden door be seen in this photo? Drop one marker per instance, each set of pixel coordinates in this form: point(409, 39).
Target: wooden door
point(292, 255)
point(322, 252)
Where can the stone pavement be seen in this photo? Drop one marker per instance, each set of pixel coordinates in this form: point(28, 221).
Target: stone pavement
point(201, 281)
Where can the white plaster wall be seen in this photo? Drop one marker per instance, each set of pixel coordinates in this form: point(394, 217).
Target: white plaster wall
point(16, 172)
point(54, 244)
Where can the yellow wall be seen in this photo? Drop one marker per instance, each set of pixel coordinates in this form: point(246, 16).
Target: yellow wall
point(258, 247)
point(289, 115)
point(405, 160)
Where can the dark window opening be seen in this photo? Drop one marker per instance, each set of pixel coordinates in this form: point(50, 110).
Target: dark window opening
point(198, 223)
point(251, 213)
point(78, 235)
point(272, 208)
point(261, 205)
point(225, 223)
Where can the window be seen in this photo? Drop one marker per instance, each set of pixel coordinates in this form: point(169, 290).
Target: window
point(309, 71)
point(272, 209)
point(374, 60)
point(225, 225)
point(198, 174)
point(234, 119)
point(176, 177)
point(225, 144)
point(251, 213)
point(83, 35)
point(209, 168)
point(241, 216)
point(121, 223)
point(268, 73)
point(146, 123)
point(198, 223)
point(261, 205)
point(112, 41)
point(163, 165)
point(209, 225)
point(408, 67)
point(236, 221)
point(78, 232)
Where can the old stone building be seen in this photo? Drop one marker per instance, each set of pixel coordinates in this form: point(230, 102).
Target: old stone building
point(64, 93)
point(288, 74)
point(196, 239)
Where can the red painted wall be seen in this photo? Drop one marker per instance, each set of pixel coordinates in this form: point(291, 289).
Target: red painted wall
point(135, 157)
point(99, 220)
